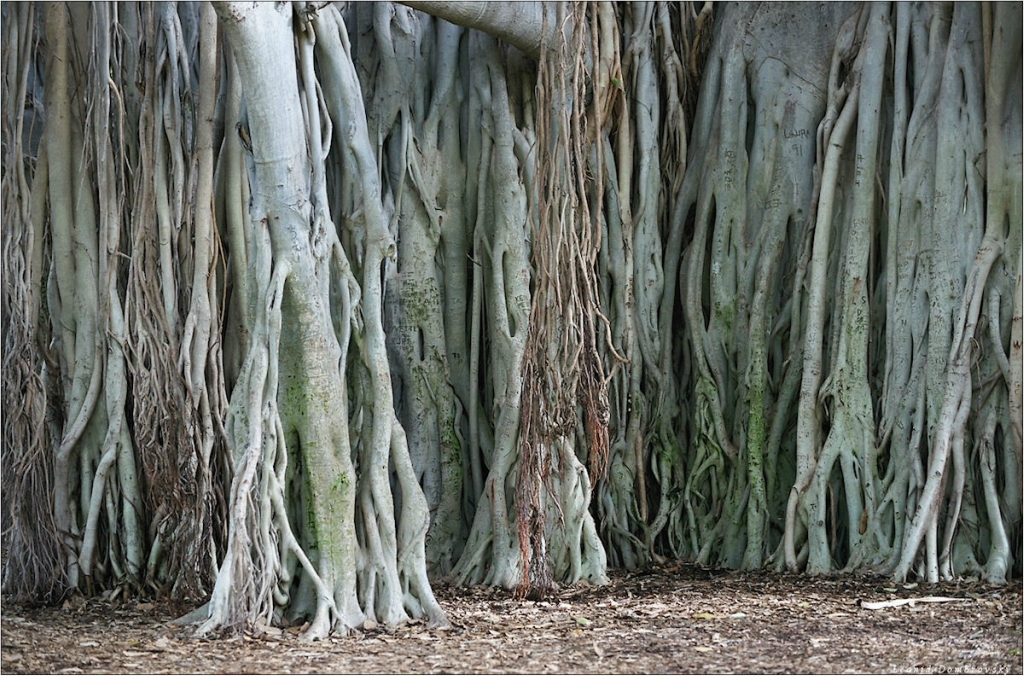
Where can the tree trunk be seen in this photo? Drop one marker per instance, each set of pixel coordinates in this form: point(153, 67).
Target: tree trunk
point(360, 556)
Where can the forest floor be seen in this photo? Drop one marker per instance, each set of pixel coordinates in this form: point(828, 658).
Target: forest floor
point(677, 618)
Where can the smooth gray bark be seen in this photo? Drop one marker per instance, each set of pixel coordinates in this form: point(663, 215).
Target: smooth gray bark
point(520, 24)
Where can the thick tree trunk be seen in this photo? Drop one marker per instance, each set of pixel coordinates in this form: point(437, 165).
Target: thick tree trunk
point(289, 429)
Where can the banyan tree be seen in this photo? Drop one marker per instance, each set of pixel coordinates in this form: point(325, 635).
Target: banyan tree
point(309, 305)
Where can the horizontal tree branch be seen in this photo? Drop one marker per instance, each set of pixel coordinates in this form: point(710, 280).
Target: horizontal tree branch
point(520, 24)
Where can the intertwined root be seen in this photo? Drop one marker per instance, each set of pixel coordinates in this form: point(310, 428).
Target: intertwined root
point(775, 324)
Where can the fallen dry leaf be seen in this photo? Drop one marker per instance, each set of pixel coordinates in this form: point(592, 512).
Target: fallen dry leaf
point(655, 631)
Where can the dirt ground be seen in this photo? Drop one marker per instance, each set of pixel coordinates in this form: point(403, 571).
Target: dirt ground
point(679, 618)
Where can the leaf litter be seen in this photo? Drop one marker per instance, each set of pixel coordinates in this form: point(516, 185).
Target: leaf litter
point(682, 618)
